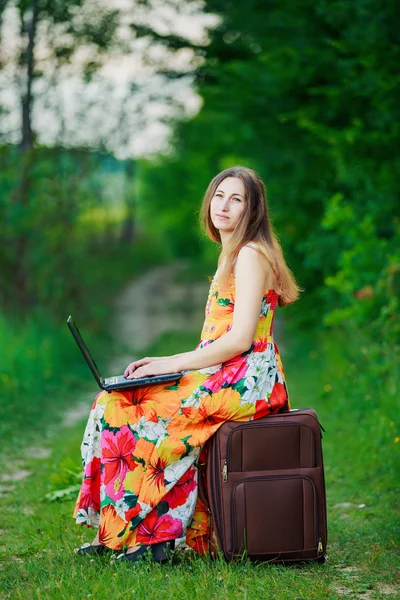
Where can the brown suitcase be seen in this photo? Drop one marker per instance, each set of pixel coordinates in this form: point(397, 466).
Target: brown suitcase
point(266, 489)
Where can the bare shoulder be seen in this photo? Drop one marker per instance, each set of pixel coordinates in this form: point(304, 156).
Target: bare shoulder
point(252, 265)
point(250, 256)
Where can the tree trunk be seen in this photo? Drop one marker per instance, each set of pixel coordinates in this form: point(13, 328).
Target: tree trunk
point(21, 194)
point(28, 60)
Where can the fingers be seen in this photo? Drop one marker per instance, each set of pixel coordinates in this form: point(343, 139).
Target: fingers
point(139, 372)
point(128, 370)
point(134, 365)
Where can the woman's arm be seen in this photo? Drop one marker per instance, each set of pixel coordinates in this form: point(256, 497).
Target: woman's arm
point(250, 275)
point(148, 359)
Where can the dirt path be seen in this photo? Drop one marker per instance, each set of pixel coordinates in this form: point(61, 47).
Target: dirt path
point(152, 305)
point(147, 308)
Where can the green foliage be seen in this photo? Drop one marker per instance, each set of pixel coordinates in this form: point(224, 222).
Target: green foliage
point(169, 200)
point(308, 95)
point(63, 235)
point(66, 482)
point(368, 272)
point(39, 359)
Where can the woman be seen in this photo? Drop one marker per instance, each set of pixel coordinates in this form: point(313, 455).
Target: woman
point(141, 447)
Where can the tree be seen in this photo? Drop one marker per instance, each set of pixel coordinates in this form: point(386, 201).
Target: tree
point(308, 94)
point(34, 193)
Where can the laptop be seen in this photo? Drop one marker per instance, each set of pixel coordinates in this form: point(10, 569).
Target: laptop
point(118, 382)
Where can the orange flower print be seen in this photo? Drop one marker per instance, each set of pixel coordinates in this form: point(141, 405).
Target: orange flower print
point(134, 480)
point(279, 362)
point(199, 424)
point(111, 526)
point(143, 451)
point(142, 455)
point(223, 308)
point(171, 448)
point(189, 382)
point(155, 472)
point(102, 398)
point(165, 398)
point(125, 407)
point(198, 532)
point(152, 488)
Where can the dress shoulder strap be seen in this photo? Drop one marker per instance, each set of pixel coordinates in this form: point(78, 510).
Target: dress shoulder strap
point(262, 251)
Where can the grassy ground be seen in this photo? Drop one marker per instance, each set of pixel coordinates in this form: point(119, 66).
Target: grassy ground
point(361, 450)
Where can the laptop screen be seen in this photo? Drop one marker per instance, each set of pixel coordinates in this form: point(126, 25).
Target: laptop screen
point(88, 357)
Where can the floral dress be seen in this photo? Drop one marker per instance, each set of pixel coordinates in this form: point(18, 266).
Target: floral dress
point(141, 447)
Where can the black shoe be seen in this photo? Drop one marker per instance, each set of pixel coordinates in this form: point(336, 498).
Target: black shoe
point(162, 552)
point(136, 556)
point(91, 549)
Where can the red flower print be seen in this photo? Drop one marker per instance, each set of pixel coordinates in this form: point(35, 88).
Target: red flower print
point(263, 408)
point(278, 396)
point(117, 450)
point(275, 402)
point(90, 492)
point(154, 529)
point(181, 490)
point(92, 468)
point(131, 513)
point(231, 372)
point(260, 346)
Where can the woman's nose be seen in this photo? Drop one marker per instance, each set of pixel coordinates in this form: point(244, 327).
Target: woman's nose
point(225, 204)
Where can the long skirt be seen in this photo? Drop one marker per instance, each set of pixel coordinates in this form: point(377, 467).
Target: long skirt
point(141, 449)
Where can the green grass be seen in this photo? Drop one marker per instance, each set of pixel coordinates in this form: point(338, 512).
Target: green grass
point(361, 460)
point(40, 374)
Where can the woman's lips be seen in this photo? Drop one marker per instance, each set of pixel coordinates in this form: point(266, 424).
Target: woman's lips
point(221, 217)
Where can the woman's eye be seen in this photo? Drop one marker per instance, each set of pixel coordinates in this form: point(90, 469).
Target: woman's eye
point(238, 199)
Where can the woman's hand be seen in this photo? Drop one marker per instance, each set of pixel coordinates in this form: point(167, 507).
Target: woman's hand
point(146, 367)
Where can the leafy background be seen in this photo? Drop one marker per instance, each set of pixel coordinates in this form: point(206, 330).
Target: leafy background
point(307, 94)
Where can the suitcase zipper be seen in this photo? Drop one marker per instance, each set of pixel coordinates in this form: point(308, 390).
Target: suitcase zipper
point(263, 424)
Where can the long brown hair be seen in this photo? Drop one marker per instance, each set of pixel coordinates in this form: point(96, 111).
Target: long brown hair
point(253, 226)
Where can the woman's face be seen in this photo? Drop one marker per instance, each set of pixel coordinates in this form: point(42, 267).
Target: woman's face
point(228, 204)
